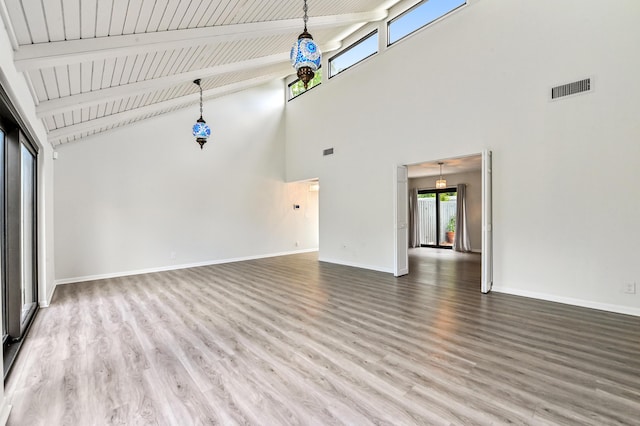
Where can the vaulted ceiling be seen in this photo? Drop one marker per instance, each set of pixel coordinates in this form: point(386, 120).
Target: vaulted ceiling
point(94, 65)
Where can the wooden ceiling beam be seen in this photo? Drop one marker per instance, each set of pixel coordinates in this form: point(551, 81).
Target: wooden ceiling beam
point(87, 99)
point(57, 135)
point(43, 55)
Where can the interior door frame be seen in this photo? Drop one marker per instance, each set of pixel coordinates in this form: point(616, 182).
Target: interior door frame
point(401, 220)
point(486, 281)
point(401, 253)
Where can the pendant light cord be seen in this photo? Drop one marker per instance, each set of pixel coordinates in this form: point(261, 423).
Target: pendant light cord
point(306, 17)
point(200, 99)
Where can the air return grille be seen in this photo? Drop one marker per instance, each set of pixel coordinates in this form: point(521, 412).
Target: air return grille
point(571, 88)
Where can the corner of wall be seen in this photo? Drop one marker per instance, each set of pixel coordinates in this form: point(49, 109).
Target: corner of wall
point(5, 410)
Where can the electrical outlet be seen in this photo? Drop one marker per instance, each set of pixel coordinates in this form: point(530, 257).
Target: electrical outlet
point(629, 287)
point(173, 254)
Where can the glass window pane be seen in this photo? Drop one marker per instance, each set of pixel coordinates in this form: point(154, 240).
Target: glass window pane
point(27, 195)
point(427, 219)
point(437, 217)
point(297, 87)
point(3, 235)
point(447, 218)
point(420, 16)
point(355, 53)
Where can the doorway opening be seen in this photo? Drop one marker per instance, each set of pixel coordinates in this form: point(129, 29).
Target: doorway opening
point(473, 172)
point(305, 198)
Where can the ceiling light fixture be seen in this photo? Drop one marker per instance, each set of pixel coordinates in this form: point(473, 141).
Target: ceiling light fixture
point(441, 183)
point(201, 130)
point(305, 55)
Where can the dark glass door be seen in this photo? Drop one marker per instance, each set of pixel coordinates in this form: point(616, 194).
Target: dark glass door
point(3, 252)
point(437, 217)
point(28, 290)
point(18, 199)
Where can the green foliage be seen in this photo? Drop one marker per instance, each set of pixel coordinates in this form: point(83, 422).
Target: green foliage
point(447, 196)
point(297, 88)
point(451, 226)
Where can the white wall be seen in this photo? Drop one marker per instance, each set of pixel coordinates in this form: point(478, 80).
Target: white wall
point(480, 79)
point(473, 180)
point(17, 89)
point(146, 197)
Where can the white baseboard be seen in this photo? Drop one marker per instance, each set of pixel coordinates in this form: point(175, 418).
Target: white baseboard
point(627, 310)
point(175, 267)
point(356, 265)
point(45, 303)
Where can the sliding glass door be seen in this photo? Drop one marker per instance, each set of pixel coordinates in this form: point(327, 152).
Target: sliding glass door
point(18, 266)
point(437, 217)
point(3, 267)
point(28, 234)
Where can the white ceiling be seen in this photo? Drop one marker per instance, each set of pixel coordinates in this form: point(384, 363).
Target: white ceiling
point(94, 65)
point(450, 166)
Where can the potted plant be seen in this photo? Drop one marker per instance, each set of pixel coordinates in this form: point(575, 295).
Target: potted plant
point(451, 229)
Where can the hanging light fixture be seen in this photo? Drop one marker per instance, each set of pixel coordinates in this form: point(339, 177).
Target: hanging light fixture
point(441, 183)
point(201, 130)
point(305, 55)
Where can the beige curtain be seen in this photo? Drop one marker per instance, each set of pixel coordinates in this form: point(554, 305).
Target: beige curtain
point(414, 228)
point(461, 241)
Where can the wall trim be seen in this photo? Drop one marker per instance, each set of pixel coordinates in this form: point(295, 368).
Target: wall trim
point(175, 267)
point(618, 309)
point(356, 265)
point(45, 303)
point(626, 310)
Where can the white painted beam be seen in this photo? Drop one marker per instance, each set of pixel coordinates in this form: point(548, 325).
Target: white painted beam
point(4, 13)
point(81, 100)
point(122, 117)
point(57, 53)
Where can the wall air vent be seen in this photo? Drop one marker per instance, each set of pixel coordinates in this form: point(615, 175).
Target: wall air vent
point(327, 151)
point(571, 88)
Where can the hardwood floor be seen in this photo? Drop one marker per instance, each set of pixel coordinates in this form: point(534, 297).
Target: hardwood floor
point(290, 340)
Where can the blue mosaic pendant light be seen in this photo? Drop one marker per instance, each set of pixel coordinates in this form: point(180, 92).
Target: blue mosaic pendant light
point(201, 130)
point(305, 55)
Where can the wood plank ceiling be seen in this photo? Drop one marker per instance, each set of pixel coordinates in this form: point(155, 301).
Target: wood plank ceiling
point(94, 65)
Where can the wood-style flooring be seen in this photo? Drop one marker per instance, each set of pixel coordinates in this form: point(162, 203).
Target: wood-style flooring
point(293, 341)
